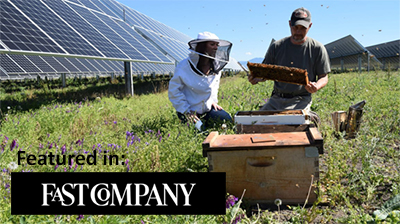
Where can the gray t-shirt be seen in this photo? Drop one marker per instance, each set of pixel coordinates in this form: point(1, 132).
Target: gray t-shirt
point(311, 55)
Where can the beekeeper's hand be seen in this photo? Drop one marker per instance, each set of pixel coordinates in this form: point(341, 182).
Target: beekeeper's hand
point(253, 80)
point(312, 87)
point(191, 116)
point(216, 106)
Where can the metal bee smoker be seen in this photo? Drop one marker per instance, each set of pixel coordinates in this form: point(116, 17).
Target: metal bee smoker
point(353, 121)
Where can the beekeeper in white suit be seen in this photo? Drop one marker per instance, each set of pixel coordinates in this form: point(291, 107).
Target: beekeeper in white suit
point(193, 90)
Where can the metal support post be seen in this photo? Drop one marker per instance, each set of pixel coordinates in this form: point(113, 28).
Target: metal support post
point(128, 78)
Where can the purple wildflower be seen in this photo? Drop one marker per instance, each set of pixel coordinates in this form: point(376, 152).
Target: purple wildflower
point(7, 186)
point(13, 143)
point(55, 168)
point(80, 217)
point(63, 149)
point(238, 218)
point(230, 201)
point(72, 163)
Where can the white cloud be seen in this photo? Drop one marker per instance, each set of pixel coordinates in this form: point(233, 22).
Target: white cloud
point(248, 53)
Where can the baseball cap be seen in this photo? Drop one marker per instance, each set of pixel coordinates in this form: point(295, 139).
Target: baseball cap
point(301, 16)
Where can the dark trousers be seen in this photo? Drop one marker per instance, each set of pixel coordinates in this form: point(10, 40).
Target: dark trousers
point(210, 118)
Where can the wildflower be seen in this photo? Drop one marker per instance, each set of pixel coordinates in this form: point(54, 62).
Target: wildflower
point(80, 217)
point(13, 166)
point(12, 146)
point(72, 162)
point(63, 149)
point(55, 168)
point(230, 201)
point(238, 218)
point(8, 108)
point(7, 186)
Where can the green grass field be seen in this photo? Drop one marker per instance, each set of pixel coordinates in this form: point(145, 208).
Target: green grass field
point(357, 176)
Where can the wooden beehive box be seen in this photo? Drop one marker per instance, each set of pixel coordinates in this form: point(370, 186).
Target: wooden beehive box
point(268, 165)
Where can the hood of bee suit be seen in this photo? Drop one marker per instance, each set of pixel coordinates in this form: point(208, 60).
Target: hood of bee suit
point(221, 57)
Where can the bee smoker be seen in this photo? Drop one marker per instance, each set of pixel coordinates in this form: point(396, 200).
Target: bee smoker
point(349, 121)
point(353, 121)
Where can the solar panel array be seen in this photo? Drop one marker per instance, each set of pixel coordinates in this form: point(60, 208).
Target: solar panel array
point(94, 37)
point(387, 53)
point(348, 53)
point(51, 37)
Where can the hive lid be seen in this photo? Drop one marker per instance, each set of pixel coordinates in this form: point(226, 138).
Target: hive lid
point(256, 141)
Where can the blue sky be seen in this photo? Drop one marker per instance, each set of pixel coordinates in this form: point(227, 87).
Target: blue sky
point(250, 25)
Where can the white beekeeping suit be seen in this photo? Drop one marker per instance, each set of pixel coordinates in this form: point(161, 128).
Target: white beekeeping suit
point(192, 90)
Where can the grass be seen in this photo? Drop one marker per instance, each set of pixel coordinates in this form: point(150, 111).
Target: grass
point(357, 176)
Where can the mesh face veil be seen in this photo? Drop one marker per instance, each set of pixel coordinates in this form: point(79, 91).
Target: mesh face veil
point(221, 57)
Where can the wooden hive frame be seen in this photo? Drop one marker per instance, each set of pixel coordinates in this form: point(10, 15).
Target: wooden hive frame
point(278, 73)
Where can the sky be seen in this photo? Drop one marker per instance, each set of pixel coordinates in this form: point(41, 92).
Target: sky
point(251, 25)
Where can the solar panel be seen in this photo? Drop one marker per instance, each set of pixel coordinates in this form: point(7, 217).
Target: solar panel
point(9, 65)
point(40, 63)
point(77, 63)
point(3, 74)
point(55, 64)
point(344, 47)
point(67, 64)
point(105, 65)
point(85, 29)
point(118, 36)
point(144, 45)
point(117, 66)
point(25, 63)
point(87, 64)
point(75, 1)
point(90, 5)
point(19, 33)
point(104, 8)
point(389, 49)
point(176, 51)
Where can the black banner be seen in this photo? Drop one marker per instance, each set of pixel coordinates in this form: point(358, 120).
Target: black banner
point(117, 193)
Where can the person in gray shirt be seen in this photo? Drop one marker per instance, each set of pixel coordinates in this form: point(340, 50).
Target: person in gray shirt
point(297, 51)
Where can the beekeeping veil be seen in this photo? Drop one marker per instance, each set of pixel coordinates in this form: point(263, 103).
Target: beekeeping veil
point(221, 57)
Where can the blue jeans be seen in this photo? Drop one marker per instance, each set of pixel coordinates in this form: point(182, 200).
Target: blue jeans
point(210, 118)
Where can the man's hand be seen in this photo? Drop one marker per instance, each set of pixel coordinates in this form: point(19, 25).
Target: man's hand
point(254, 80)
point(312, 87)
